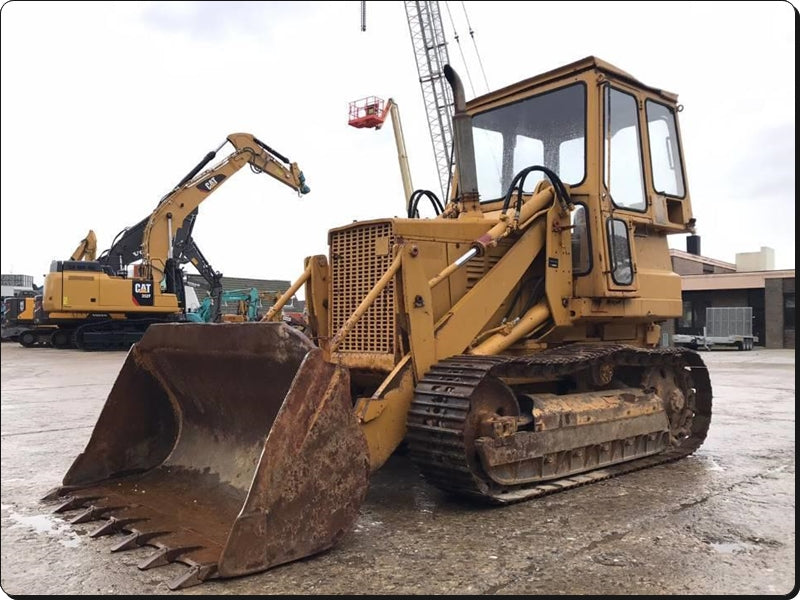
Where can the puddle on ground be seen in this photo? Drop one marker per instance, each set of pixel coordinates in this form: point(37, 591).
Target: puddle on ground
point(730, 547)
point(46, 524)
point(713, 465)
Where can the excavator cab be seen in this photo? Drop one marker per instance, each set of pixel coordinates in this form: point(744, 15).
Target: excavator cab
point(512, 342)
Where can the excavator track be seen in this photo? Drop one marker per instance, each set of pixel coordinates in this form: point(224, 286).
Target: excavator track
point(438, 420)
point(111, 334)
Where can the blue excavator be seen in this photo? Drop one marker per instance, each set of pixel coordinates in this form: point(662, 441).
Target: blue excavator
point(248, 303)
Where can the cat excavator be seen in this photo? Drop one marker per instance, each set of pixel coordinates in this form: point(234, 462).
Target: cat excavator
point(30, 330)
point(98, 305)
point(511, 344)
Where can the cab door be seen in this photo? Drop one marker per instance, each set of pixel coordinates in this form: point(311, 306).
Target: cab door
point(624, 186)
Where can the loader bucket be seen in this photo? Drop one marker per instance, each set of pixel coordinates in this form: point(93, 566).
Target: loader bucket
point(231, 448)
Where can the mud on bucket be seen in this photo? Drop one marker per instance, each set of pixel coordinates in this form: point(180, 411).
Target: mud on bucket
point(231, 448)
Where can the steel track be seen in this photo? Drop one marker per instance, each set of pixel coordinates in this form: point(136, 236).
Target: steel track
point(438, 414)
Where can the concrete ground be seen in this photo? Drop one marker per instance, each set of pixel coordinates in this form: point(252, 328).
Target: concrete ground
point(719, 522)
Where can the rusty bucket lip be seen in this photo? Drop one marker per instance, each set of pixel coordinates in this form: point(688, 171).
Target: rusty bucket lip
point(315, 422)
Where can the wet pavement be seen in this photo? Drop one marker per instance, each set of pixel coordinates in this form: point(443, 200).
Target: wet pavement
point(719, 522)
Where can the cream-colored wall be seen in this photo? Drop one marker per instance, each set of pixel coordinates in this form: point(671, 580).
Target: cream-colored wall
point(763, 260)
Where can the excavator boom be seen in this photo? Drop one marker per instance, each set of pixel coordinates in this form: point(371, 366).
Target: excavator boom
point(175, 207)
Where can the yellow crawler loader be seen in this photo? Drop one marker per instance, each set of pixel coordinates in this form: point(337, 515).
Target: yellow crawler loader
point(512, 344)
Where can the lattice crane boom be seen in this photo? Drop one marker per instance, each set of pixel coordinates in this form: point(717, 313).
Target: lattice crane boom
point(430, 51)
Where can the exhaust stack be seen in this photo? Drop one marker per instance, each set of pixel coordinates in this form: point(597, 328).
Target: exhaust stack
point(464, 145)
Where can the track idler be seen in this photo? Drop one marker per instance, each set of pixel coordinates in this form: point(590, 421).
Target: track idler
point(230, 448)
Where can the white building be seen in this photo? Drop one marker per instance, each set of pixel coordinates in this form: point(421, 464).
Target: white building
point(13, 284)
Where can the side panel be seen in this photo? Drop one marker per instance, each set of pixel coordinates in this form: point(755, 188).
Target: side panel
point(98, 293)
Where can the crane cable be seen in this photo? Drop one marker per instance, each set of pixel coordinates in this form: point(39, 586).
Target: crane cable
point(475, 44)
point(461, 51)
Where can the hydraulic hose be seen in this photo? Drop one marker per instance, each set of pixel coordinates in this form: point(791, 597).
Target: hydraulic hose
point(413, 203)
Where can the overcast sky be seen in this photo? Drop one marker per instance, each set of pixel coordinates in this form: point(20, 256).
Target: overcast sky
point(107, 105)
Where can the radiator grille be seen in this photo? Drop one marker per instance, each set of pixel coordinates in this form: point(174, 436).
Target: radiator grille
point(360, 255)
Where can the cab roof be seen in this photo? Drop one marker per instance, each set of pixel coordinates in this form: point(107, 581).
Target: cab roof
point(564, 72)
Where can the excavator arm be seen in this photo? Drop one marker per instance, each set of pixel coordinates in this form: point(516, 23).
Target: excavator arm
point(87, 249)
point(165, 221)
point(188, 250)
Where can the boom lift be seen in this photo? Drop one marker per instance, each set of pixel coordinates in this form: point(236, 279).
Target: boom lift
point(371, 112)
point(94, 306)
point(512, 342)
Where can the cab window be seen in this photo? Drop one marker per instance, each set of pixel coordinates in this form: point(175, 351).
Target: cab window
point(547, 130)
point(665, 157)
point(620, 252)
point(623, 171)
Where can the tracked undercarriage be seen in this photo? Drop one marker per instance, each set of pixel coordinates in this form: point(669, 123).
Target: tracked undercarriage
point(505, 429)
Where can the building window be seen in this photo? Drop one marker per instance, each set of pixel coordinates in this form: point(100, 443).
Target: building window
point(788, 311)
point(707, 268)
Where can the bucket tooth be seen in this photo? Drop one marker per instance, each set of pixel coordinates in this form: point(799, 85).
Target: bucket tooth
point(93, 513)
point(194, 575)
point(136, 539)
point(53, 494)
point(73, 502)
point(164, 556)
point(113, 525)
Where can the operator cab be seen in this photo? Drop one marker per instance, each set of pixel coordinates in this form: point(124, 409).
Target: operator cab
point(611, 140)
